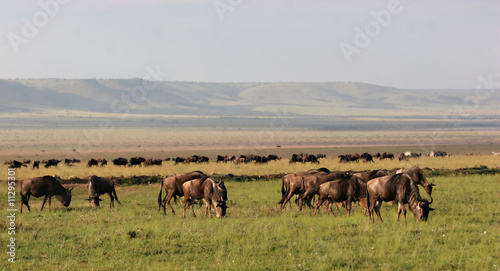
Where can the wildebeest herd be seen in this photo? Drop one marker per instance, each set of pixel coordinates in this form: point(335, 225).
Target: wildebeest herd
point(368, 188)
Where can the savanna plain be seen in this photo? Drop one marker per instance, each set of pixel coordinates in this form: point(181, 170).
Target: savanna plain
point(461, 234)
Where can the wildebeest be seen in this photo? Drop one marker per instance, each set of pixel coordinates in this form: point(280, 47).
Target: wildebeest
point(153, 162)
point(178, 160)
point(295, 158)
point(46, 186)
point(98, 186)
point(274, 157)
point(412, 154)
point(399, 187)
point(36, 164)
point(367, 157)
point(386, 155)
point(350, 188)
point(309, 158)
point(103, 161)
point(136, 161)
point(52, 163)
point(292, 184)
point(173, 188)
point(120, 161)
point(92, 162)
point(16, 164)
point(402, 157)
point(220, 158)
point(418, 177)
point(214, 194)
point(312, 183)
point(367, 175)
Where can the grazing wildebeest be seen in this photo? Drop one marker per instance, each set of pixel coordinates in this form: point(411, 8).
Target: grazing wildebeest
point(310, 158)
point(402, 157)
point(203, 159)
point(399, 187)
point(173, 188)
point(16, 164)
point(178, 160)
point(103, 161)
point(321, 155)
point(418, 177)
point(367, 157)
point(98, 186)
point(228, 158)
point(46, 186)
point(36, 164)
point(295, 158)
point(220, 158)
point(273, 157)
point(214, 194)
point(120, 161)
point(311, 184)
point(68, 161)
point(92, 162)
point(52, 162)
point(136, 161)
point(386, 155)
point(292, 184)
point(350, 188)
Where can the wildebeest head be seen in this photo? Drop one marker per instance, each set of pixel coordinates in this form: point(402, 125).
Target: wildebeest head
point(220, 209)
point(67, 199)
point(422, 209)
point(93, 191)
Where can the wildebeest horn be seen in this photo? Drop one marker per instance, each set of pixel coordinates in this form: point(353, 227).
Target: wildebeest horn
point(70, 189)
point(433, 184)
point(431, 201)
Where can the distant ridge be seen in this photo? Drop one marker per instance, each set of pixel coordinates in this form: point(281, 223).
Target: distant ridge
point(225, 99)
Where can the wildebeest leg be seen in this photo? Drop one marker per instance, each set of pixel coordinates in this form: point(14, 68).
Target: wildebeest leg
point(401, 208)
point(184, 206)
point(377, 209)
point(112, 200)
point(348, 207)
point(320, 202)
point(45, 200)
point(25, 200)
point(330, 205)
point(167, 201)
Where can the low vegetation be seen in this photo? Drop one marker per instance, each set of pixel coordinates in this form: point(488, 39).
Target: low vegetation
point(462, 233)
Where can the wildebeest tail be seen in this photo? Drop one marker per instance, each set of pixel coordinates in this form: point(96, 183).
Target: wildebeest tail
point(116, 197)
point(159, 197)
point(283, 191)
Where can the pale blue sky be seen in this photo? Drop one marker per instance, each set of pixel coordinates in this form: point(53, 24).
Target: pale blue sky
point(426, 44)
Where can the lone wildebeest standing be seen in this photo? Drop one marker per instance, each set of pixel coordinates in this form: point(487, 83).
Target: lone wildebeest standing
point(398, 187)
point(214, 193)
point(173, 188)
point(350, 188)
point(46, 186)
point(98, 186)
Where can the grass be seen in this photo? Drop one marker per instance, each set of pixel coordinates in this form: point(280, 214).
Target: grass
point(463, 233)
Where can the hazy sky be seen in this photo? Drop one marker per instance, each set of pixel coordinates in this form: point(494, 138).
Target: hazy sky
point(406, 44)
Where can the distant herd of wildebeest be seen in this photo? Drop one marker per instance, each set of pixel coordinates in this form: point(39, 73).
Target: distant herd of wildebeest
point(368, 188)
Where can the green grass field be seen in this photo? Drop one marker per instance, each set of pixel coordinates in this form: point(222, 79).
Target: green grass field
point(462, 234)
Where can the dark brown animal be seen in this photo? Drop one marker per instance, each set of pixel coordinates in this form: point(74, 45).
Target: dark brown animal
point(173, 188)
point(312, 183)
point(52, 163)
point(46, 186)
point(350, 188)
point(120, 161)
point(293, 184)
point(399, 187)
point(418, 177)
point(214, 194)
point(98, 186)
point(92, 162)
point(36, 164)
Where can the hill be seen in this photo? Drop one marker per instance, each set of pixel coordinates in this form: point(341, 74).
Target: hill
point(230, 99)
